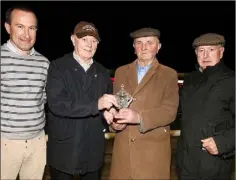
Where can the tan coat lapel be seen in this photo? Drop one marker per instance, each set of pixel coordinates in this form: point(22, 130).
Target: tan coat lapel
point(131, 74)
point(147, 76)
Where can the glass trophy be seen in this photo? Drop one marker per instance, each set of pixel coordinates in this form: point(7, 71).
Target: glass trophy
point(123, 98)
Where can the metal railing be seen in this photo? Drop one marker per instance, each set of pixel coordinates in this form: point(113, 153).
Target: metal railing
point(110, 135)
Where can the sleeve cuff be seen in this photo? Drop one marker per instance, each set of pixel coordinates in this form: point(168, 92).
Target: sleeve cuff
point(111, 129)
point(140, 126)
point(95, 109)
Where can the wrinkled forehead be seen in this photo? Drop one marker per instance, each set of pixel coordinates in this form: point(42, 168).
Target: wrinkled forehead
point(210, 47)
point(145, 39)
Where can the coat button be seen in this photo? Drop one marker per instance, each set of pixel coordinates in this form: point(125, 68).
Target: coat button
point(165, 130)
point(132, 140)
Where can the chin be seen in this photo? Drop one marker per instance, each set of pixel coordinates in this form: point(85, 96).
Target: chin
point(89, 53)
point(88, 57)
point(25, 49)
point(25, 46)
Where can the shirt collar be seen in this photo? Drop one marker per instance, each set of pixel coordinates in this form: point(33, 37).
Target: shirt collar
point(145, 68)
point(14, 49)
point(84, 65)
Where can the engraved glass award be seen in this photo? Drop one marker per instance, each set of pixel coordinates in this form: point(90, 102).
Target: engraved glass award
point(123, 98)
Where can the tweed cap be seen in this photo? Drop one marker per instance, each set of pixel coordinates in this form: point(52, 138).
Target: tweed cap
point(84, 28)
point(209, 39)
point(144, 32)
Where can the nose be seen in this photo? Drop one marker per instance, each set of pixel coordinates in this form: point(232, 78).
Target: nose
point(89, 43)
point(27, 33)
point(206, 53)
point(144, 47)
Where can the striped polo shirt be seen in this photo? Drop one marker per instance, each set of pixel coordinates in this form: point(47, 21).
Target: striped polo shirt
point(23, 80)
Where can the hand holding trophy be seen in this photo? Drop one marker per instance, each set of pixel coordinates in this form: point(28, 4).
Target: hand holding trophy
point(118, 117)
point(125, 115)
point(123, 98)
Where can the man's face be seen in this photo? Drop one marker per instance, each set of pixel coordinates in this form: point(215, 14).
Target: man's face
point(85, 47)
point(22, 30)
point(209, 55)
point(146, 48)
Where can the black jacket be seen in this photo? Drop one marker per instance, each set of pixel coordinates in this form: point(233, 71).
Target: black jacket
point(75, 125)
point(208, 110)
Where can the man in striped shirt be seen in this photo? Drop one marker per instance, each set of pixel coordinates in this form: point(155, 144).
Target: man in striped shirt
point(23, 78)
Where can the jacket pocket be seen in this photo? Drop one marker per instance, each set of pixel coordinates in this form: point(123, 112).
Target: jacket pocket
point(217, 127)
point(209, 165)
point(61, 129)
point(222, 126)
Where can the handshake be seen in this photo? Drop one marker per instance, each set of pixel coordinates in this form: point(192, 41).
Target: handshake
point(118, 119)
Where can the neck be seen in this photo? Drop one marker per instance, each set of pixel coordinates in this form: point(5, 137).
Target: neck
point(82, 60)
point(85, 61)
point(20, 52)
point(143, 63)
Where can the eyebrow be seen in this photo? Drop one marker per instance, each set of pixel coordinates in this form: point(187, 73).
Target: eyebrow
point(24, 25)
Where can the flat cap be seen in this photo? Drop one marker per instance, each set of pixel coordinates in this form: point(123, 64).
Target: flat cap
point(144, 32)
point(209, 39)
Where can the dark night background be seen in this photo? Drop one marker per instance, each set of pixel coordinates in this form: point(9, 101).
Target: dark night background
point(179, 23)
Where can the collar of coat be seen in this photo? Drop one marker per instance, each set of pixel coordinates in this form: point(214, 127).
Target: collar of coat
point(211, 70)
point(131, 74)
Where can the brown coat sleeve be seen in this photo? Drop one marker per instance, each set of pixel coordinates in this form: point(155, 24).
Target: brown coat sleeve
point(166, 113)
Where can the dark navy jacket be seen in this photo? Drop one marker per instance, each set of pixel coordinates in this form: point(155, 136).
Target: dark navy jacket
point(208, 110)
point(75, 125)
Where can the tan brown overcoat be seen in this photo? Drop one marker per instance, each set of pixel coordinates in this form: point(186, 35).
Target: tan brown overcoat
point(146, 153)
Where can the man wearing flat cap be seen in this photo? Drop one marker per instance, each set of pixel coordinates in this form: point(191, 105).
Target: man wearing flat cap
point(78, 90)
point(207, 142)
point(142, 142)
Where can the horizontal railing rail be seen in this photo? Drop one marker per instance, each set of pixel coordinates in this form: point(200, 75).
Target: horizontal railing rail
point(110, 135)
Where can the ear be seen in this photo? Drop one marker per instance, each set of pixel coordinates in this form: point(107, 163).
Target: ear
point(159, 46)
point(8, 28)
point(222, 52)
point(134, 49)
point(72, 37)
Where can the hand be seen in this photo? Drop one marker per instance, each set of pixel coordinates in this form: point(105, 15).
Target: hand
point(109, 115)
point(210, 145)
point(127, 115)
point(118, 127)
point(107, 101)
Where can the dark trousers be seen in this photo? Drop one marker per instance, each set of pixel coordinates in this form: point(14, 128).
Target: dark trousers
point(59, 175)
